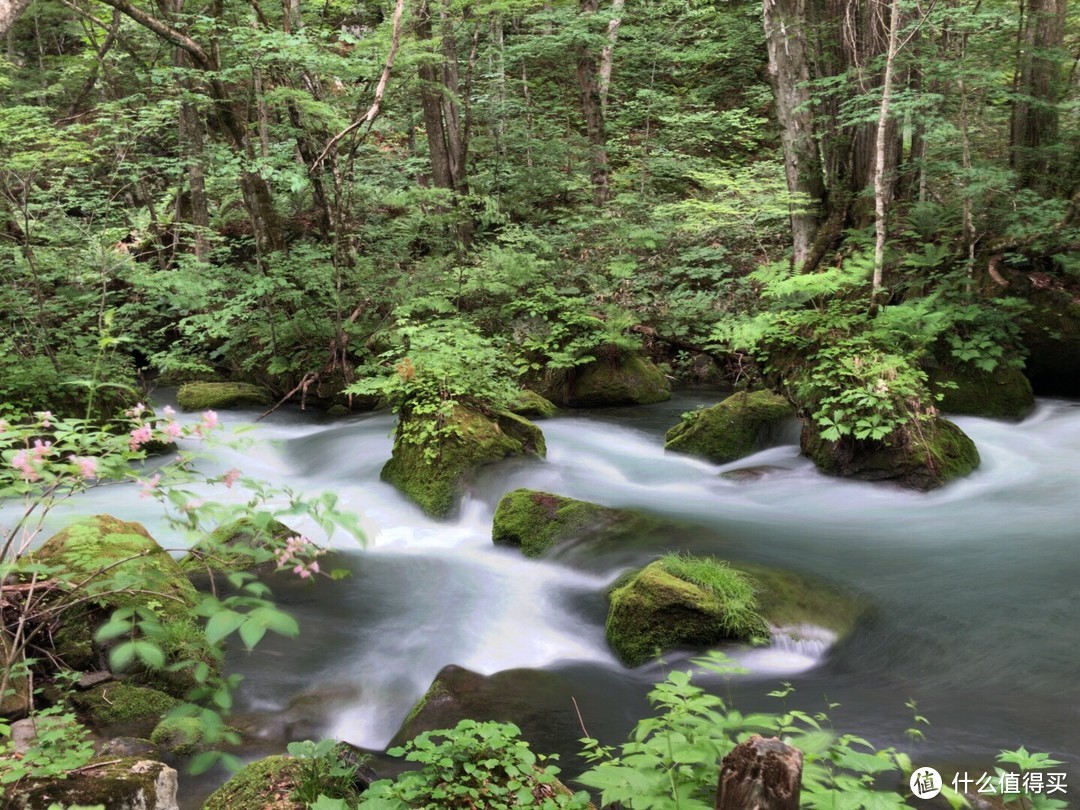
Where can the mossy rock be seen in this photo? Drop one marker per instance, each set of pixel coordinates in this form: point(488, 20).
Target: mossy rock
point(536, 522)
point(246, 544)
point(180, 736)
point(138, 563)
point(125, 784)
point(938, 453)
point(662, 607)
point(220, 396)
point(261, 785)
point(479, 439)
point(118, 703)
point(616, 377)
point(1003, 393)
point(532, 405)
point(790, 600)
point(740, 425)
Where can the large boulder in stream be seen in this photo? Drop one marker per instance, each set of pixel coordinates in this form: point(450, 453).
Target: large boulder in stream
point(247, 544)
point(740, 425)
point(680, 601)
point(536, 522)
point(200, 396)
point(138, 574)
point(429, 467)
point(1003, 393)
point(616, 377)
point(925, 458)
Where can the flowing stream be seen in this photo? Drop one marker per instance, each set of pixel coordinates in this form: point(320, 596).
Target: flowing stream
point(975, 589)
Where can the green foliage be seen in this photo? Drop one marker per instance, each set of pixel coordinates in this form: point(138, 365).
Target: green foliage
point(736, 591)
point(61, 744)
point(323, 774)
point(472, 765)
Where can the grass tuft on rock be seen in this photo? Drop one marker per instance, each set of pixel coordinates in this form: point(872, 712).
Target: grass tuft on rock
point(737, 591)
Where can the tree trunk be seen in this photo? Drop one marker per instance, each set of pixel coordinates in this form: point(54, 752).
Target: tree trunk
point(789, 74)
point(10, 10)
point(1039, 89)
point(593, 114)
point(760, 774)
point(881, 188)
point(607, 55)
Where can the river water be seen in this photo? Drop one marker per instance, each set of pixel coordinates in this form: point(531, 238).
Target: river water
point(975, 589)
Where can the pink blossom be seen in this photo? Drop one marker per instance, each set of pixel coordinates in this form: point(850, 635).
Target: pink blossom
point(40, 449)
point(230, 477)
point(192, 505)
point(168, 410)
point(149, 485)
point(46, 418)
point(172, 429)
point(140, 436)
point(210, 419)
point(87, 466)
point(23, 463)
point(4, 425)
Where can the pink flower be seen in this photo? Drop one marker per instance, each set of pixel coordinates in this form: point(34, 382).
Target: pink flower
point(46, 418)
point(149, 485)
point(172, 429)
point(23, 462)
point(140, 436)
point(87, 466)
point(210, 420)
point(168, 410)
point(40, 449)
point(230, 477)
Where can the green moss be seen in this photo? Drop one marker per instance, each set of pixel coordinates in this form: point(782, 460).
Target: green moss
point(113, 703)
point(435, 693)
point(926, 458)
point(128, 782)
point(180, 736)
point(658, 609)
point(433, 485)
point(533, 405)
point(740, 425)
point(1004, 393)
point(260, 785)
point(217, 396)
point(135, 562)
point(788, 599)
point(625, 379)
point(243, 545)
point(535, 521)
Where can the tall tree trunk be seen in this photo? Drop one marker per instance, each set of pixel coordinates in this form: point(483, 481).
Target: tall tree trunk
point(9, 13)
point(1038, 91)
point(607, 55)
point(790, 74)
point(587, 75)
point(881, 188)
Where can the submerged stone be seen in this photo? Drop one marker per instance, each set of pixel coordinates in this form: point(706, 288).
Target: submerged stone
point(740, 425)
point(930, 457)
point(536, 522)
point(201, 396)
point(431, 474)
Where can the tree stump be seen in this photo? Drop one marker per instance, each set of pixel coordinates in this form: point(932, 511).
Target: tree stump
point(760, 774)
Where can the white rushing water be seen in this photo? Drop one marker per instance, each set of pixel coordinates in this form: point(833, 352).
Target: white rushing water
point(975, 588)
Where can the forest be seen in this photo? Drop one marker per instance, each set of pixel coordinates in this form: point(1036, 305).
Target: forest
point(820, 225)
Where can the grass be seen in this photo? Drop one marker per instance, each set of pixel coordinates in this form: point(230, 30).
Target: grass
point(736, 591)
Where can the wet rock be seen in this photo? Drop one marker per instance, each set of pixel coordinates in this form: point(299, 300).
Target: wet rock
point(136, 709)
point(201, 396)
point(929, 458)
point(1003, 393)
point(532, 406)
point(536, 522)
point(742, 424)
point(746, 474)
point(682, 602)
point(126, 784)
point(430, 473)
point(247, 544)
point(129, 747)
point(616, 377)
